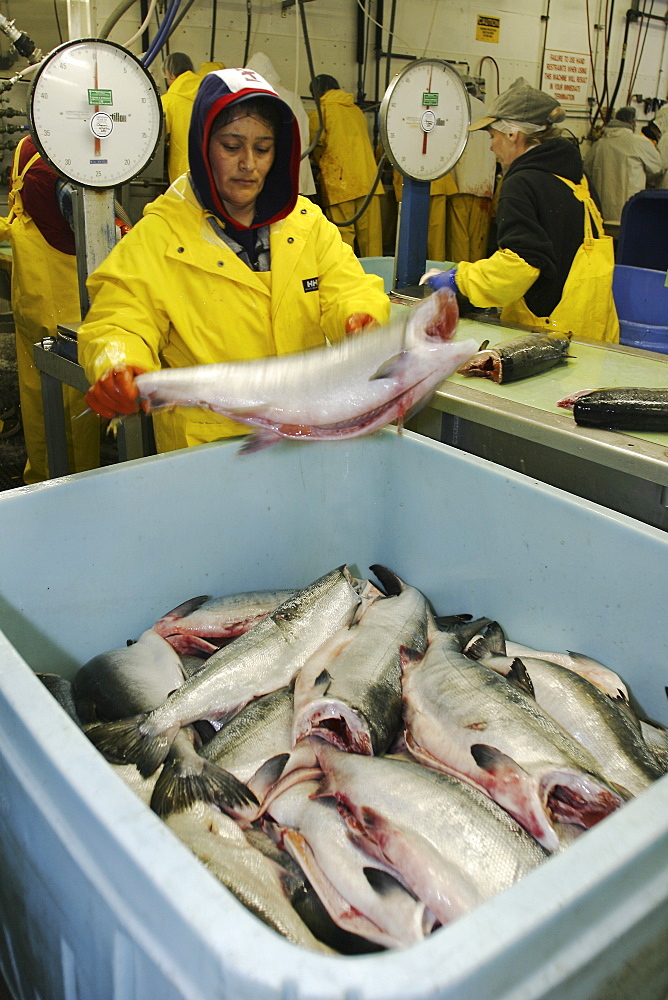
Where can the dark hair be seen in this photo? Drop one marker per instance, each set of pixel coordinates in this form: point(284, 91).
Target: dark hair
point(259, 107)
point(626, 114)
point(177, 63)
point(322, 83)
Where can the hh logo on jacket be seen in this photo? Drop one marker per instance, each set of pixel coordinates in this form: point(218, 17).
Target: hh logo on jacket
point(310, 284)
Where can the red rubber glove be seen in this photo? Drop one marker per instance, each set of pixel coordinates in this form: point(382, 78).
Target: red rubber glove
point(359, 321)
point(115, 394)
point(122, 227)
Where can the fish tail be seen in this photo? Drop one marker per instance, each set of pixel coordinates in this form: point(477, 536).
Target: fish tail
point(125, 741)
point(177, 790)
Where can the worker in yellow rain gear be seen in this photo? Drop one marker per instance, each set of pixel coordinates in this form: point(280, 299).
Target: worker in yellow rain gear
point(229, 264)
point(347, 167)
point(177, 104)
point(44, 292)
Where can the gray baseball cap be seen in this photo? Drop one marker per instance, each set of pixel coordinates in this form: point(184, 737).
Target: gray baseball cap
point(522, 103)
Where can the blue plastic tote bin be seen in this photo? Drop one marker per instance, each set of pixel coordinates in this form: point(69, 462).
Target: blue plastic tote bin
point(641, 299)
point(100, 901)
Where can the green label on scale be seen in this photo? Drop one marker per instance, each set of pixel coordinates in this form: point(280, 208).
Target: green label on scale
point(100, 97)
point(429, 100)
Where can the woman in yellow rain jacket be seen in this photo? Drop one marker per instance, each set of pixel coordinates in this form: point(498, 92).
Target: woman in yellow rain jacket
point(230, 263)
point(541, 275)
point(45, 292)
point(344, 157)
point(177, 105)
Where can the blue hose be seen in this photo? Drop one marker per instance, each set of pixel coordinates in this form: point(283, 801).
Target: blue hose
point(162, 35)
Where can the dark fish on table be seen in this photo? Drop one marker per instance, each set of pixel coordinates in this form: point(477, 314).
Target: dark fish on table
point(634, 408)
point(351, 388)
point(519, 358)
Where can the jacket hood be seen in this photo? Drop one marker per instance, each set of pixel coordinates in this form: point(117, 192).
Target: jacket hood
point(263, 65)
point(218, 91)
point(615, 126)
point(338, 97)
point(661, 119)
point(554, 156)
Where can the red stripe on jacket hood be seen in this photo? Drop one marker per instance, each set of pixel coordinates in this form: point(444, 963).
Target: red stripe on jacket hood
point(218, 91)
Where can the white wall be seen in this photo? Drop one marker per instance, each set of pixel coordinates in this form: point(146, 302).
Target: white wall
point(444, 28)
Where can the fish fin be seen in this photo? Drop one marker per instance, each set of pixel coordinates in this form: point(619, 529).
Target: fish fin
point(519, 676)
point(409, 655)
point(124, 742)
point(177, 790)
point(180, 611)
point(391, 367)
point(322, 682)
point(267, 775)
point(444, 622)
point(477, 648)
point(484, 345)
point(492, 760)
point(495, 638)
point(389, 580)
point(257, 440)
point(204, 729)
point(191, 644)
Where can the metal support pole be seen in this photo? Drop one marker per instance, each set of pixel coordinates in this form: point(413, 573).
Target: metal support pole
point(94, 233)
point(78, 19)
point(412, 226)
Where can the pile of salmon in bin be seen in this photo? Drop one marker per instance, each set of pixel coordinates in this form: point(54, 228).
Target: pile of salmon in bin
point(358, 769)
point(103, 897)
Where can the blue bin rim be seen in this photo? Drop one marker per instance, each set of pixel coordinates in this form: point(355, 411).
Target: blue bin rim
point(644, 326)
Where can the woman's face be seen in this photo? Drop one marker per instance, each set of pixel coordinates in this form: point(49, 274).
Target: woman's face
point(506, 146)
point(241, 154)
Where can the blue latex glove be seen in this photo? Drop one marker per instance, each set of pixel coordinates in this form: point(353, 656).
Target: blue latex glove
point(441, 279)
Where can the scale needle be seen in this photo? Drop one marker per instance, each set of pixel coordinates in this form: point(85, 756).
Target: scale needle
point(424, 137)
point(98, 148)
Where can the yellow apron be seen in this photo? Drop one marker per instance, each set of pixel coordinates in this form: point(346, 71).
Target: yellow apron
point(587, 307)
point(45, 292)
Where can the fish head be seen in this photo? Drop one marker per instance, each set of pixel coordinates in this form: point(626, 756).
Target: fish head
point(435, 318)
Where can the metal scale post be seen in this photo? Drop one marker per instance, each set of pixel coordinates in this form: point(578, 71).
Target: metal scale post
point(96, 118)
point(423, 125)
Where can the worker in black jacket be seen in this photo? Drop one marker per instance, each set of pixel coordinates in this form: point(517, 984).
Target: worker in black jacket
point(540, 226)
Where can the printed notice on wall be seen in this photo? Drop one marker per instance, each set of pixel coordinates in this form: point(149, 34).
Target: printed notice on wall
point(566, 77)
point(487, 28)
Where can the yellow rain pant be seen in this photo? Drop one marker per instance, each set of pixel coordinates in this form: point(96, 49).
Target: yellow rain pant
point(367, 230)
point(45, 292)
point(468, 223)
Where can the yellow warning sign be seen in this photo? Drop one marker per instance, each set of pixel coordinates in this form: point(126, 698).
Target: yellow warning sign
point(487, 28)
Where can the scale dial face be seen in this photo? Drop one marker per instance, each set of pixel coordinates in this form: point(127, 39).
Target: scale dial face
point(423, 119)
point(95, 113)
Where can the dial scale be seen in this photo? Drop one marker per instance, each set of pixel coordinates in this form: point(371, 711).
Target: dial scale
point(95, 113)
point(424, 117)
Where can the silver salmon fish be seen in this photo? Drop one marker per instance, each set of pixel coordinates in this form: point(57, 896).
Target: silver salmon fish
point(261, 660)
point(345, 390)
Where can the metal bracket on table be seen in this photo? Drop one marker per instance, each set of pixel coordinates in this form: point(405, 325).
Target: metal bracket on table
point(135, 433)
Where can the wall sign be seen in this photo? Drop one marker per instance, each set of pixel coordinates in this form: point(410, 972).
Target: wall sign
point(487, 28)
point(566, 77)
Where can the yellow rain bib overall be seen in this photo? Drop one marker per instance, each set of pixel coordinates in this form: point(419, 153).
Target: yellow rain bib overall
point(44, 292)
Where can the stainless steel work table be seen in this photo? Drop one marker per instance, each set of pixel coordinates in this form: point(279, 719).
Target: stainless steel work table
point(134, 434)
point(519, 425)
